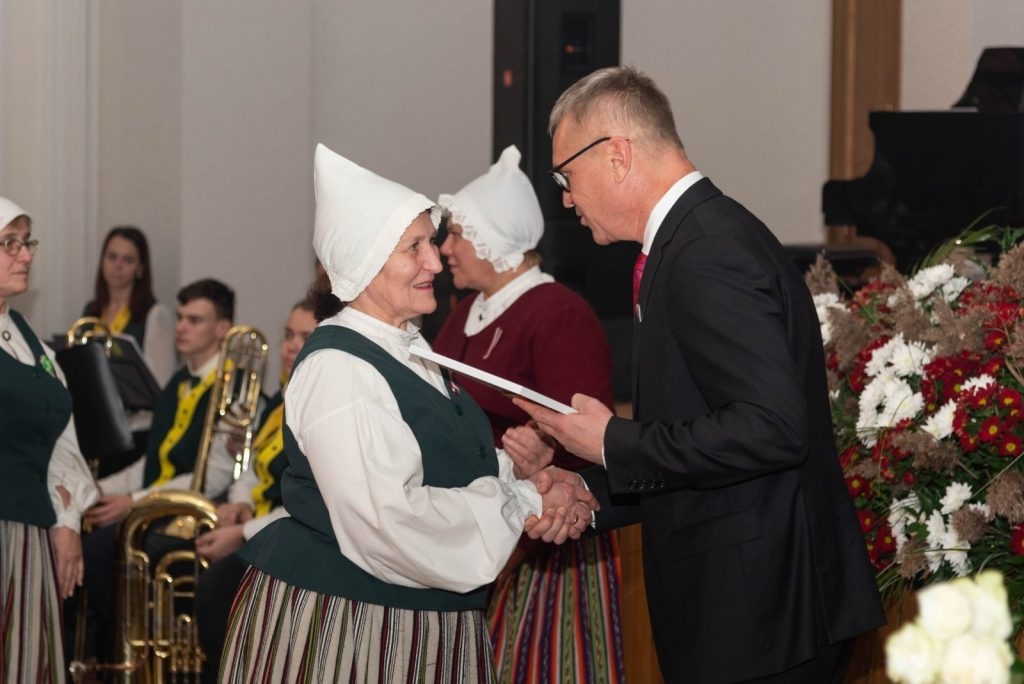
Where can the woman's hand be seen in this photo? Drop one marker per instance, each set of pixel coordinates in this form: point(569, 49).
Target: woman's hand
point(67, 556)
point(568, 506)
point(110, 509)
point(220, 542)
point(530, 449)
point(229, 514)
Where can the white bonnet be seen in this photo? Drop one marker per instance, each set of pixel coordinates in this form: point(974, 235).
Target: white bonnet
point(499, 212)
point(9, 211)
point(360, 217)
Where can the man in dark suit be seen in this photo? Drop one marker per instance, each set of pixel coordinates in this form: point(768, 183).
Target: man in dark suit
point(754, 562)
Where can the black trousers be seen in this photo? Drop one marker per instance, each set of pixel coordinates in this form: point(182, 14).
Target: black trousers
point(215, 593)
point(828, 666)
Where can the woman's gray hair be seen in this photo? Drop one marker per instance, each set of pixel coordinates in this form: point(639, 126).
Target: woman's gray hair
point(620, 97)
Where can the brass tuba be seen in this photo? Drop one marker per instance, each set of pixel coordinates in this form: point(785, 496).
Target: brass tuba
point(154, 638)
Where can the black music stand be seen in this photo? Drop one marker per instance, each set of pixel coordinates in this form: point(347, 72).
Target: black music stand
point(102, 390)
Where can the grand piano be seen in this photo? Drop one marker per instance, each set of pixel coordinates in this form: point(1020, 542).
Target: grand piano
point(936, 173)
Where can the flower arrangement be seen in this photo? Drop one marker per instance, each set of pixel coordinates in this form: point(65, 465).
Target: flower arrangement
point(926, 378)
point(959, 635)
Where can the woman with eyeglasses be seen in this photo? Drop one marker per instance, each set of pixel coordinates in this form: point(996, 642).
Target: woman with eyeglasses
point(555, 616)
point(46, 485)
point(123, 299)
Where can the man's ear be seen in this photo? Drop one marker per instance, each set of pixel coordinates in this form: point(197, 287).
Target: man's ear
point(621, 155)
point(223, 325)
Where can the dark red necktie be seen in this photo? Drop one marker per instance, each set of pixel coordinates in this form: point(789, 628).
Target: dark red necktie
point(638, 274)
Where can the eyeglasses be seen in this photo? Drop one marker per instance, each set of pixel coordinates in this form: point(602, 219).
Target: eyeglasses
point(12, 246)
point(561, 180)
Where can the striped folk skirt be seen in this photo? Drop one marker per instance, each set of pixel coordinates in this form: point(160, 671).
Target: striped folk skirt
point(30, 617)
point(557, 618)
point(280, 633)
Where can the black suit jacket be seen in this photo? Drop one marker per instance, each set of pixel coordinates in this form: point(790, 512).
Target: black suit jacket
point(753, 555)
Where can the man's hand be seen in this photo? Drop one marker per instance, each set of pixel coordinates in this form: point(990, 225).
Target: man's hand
point(530, 449)
point(580, 433)
point(233, 514)
point(67, 556)
point(221, 542)
point(111, 508)
point(567, 506)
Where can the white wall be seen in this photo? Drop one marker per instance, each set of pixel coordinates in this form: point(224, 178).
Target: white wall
point(404, 88)
point(749, 85)
point(942, 40)
point(246, 172)
point(197, 120)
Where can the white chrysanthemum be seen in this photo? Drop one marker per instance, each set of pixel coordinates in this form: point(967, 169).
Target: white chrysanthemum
point(901, 402)
point(936, 526)
point(881, 358)
point(927, 280)
point(940, 424)
point(901, 513)
point(954, 552)
point(971, 659)
point(909, 359)
point(979, 381)
point(944, 610)
point(957, 494)
point(823, 303)
point(911, 657)
point(951, 290)
point(982, 509)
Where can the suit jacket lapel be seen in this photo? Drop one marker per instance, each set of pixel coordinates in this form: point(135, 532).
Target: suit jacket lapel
point(700, 192)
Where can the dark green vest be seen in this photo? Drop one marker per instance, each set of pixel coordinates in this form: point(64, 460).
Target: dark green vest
point(183, 455)
point(455, 440)
point(34, 410)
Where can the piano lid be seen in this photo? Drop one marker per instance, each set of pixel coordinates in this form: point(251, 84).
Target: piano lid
point(935, 173)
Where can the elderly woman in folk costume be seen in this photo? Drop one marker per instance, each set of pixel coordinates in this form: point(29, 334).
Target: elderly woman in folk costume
point(123, 299)
point(555, 616)
point(46, 484)
point(401, 511)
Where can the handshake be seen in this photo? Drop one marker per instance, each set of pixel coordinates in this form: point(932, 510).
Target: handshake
point(568, 505)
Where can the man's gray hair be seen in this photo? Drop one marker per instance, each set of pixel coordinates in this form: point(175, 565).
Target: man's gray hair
point(620, 96)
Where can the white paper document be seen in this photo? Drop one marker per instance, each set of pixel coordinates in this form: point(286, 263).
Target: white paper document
point(494, 381)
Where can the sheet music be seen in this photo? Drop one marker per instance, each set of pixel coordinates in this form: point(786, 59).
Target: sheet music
point(494, 381)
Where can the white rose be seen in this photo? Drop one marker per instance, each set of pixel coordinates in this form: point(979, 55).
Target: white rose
point(911, 657)
point(991, 612)
point(944, 610)
point(971, 659)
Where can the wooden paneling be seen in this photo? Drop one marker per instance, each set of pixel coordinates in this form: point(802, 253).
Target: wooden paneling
point(637, 639)
point(865, 77)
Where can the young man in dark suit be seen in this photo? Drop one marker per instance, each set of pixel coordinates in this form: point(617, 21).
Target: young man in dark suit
point(754, 562)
